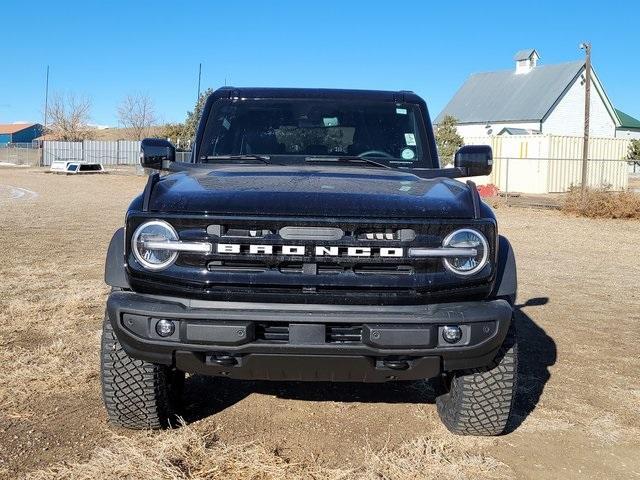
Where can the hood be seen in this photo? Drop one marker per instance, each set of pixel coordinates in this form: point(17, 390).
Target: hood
point(310, 191)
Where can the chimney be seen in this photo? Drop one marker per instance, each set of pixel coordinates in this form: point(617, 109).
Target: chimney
point(526, 60)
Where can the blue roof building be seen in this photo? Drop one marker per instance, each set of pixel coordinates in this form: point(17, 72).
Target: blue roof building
point(19, 132)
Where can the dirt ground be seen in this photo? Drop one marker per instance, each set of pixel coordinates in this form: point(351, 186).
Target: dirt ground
point(579, 397)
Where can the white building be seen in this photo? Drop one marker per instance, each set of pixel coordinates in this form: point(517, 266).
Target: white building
point(629, 127)
point(530, 99)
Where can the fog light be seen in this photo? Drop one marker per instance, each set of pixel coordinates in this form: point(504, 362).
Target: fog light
point(451, 333)
point(165, 328)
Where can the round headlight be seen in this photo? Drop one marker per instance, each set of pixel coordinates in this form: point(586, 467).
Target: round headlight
point(467, 264)
point(144, 245)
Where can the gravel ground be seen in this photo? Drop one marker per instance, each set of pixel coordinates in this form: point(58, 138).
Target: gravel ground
point(578, 405)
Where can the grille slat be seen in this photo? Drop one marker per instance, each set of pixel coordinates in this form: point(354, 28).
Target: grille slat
point(274, 333)
point(344, 334)
point(279, 333)
point(246, 267)
point(384, 270)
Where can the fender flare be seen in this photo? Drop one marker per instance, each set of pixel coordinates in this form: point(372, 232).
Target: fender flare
point(506, 285)
point(115, 274)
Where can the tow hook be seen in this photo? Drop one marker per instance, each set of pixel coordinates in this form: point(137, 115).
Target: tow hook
point(224, 360)
point(396, 364)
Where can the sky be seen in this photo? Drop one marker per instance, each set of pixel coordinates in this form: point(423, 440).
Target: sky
point(109, 49)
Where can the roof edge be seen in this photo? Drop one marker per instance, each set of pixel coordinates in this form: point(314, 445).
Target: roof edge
point(626, 120)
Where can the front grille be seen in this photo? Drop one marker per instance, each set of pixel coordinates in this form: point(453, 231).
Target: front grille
point(278, 332)
point(310, 264)
point(344, 333)
point(272, 332)
point(309, 277)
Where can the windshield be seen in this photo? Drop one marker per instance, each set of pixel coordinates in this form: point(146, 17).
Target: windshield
point(292, 130)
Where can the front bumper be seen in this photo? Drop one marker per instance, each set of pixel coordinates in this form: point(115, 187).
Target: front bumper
point(309, 342)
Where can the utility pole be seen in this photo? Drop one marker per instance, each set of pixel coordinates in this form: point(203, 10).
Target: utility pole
point(586, 46)
point(199, 77)
point(46, 101)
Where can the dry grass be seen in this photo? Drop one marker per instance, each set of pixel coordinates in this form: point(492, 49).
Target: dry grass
point(600, 203)
point(37, 327)
point(187, 454)
point(53, 424)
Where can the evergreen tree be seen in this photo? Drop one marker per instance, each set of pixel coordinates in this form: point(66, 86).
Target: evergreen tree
point(175, 133)
point(634, 151)
point(193, 117)
point(448, 140)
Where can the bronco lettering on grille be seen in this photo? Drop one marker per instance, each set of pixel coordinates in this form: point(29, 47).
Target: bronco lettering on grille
point(301, 250)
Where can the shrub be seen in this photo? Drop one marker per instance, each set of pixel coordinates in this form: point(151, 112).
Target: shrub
point(600, 203)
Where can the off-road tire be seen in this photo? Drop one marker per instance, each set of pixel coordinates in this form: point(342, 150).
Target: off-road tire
point(137, 394)
point(479, 401)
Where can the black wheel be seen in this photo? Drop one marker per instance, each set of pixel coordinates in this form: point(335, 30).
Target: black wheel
point(479, 401)
point(137, 394)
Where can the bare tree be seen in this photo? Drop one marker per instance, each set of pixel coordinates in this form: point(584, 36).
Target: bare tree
point(68, 117)
point(136, 113)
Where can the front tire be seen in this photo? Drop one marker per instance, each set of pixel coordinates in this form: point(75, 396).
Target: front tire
point(479, 401)
point(137, 394)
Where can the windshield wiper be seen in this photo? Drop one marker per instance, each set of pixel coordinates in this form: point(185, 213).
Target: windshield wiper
point(245, 156)
point(347, 159)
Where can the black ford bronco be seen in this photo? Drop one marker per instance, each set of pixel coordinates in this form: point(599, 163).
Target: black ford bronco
point(312, 236)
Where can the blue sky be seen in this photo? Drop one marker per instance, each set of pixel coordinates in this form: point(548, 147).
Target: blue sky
point(105, 50)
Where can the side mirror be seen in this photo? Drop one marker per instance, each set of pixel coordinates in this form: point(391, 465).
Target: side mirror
point(156, 153)
point(475, 159)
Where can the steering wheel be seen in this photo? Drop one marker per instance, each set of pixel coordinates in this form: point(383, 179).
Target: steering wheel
point(377, 152)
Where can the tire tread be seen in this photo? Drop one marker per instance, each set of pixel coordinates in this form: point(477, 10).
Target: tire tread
point(480, 400)
point(137, 394)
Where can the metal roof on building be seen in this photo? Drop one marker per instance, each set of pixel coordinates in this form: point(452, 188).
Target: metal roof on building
point(524, 54)
point(14, 127)
point(517, 131)
point(505, 96)
point(627, 121)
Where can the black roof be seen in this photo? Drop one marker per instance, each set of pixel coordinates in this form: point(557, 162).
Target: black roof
point(323, 93)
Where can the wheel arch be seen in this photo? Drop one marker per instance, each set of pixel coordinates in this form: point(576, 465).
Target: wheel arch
point(506, 285)
point(115, 274)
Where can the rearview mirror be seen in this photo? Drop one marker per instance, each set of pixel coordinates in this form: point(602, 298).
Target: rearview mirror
point(475, 159)
point(156, 153)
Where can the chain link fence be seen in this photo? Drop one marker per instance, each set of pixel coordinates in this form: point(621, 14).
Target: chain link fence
point(24, 154)
point(511, 176)
point(108, 153)
point(543, 182)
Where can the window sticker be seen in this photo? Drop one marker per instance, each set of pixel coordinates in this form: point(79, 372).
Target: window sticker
point(408, 154)
point(226, 123)
point(401, 111)
point(410, 139)
point(330, 121)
